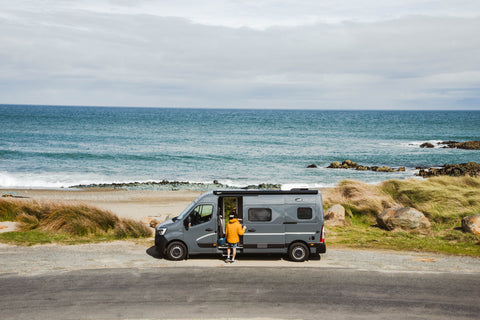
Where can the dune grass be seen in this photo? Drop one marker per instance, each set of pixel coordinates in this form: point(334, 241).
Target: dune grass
point(443, 200)
point(46, 222)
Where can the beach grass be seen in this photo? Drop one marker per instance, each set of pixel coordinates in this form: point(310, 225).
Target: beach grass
point(47, 222)
point(443, 200)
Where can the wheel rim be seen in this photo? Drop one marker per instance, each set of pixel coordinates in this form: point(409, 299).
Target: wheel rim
point(176, 252)
point(298, 253)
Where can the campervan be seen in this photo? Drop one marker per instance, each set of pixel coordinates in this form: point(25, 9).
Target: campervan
point(277, 221)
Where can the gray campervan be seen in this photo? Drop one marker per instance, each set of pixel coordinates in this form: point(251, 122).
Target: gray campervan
point(277, 221)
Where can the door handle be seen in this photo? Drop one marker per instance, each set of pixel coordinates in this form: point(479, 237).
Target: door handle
point(252, 230)
point(209, 229)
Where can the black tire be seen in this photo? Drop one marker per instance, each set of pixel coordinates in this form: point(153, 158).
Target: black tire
point(298, 252)
point(176, 251)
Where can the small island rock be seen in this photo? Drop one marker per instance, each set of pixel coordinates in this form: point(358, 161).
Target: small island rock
point(426, 145)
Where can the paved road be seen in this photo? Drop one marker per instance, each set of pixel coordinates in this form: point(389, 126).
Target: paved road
point(239, 292)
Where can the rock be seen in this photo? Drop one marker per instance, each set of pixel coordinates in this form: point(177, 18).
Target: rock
point(401, 169)
point(335, 165)
point(349, 164)
point(384, 169)
point(312, 166)
point(426, 145)
point(471, 224)
point(335, 216)
point(403, 218)
point(455, 170)
point(362, 168)
point(9, 226)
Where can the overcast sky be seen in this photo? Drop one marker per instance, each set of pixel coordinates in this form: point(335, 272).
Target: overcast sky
point(312, 54)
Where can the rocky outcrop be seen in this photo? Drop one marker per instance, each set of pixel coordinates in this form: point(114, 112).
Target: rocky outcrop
point(313, 165)
point(335, 216)
point(468, 145)
point(455, 170)
point(349, 164)
point(404, 219)
point(471, 224)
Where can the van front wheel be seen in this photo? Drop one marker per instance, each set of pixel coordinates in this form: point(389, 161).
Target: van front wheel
point(298, 252)
point(176, 251)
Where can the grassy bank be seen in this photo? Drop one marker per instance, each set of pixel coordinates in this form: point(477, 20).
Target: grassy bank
point(443, 200)
point(47, 222)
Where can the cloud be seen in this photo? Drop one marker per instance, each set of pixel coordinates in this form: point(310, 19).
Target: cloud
point(150, 54)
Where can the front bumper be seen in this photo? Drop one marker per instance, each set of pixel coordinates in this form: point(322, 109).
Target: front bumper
point(160, 242)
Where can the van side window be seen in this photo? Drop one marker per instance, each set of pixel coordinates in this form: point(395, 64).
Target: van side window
point(304, 213)
point(201, 214)
point(259, 214)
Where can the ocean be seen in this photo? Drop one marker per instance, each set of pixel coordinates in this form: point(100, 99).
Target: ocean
point(63, 146)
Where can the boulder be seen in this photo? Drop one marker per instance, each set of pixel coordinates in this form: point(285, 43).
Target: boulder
point(313, 165)
point(471, 224)
point(401, 169)
point(403, 218)
point(335, 215)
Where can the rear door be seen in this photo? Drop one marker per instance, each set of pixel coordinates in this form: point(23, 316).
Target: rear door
point(263, 216)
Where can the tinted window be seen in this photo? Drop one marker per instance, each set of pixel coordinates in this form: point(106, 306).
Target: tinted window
point(304, 213)
point(259, 214)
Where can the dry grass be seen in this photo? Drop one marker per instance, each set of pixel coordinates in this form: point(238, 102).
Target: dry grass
point(75, 220)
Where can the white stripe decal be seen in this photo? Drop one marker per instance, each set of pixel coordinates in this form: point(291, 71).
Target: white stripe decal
point(275, 234)
point(261, 234)
point(207, 235)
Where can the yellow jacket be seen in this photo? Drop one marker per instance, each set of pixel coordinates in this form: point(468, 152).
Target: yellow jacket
point(233, 231)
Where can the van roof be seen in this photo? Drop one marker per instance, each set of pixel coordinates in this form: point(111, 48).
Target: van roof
point(259, 192)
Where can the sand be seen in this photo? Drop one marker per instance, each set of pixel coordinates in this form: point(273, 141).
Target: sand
point(137, 205)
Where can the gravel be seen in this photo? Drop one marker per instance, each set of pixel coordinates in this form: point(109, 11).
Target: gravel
point(40, 259)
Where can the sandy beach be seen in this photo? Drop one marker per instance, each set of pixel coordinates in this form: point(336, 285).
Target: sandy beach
point(124, 203)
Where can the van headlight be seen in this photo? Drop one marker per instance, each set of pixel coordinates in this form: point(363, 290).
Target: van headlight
point(161, 231)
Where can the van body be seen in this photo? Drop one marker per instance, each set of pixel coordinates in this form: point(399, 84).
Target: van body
point(277, 221)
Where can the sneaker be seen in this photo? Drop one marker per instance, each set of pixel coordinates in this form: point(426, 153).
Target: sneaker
point(227, 260)
point(231, 261)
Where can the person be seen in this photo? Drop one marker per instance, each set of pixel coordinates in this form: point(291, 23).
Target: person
point(233, 231)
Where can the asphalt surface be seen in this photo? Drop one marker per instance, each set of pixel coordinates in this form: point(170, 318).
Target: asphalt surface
point(239, 292)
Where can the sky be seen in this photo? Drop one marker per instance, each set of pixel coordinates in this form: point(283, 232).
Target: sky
point(290, 54)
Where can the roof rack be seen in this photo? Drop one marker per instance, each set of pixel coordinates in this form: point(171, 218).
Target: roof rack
point(267, 192)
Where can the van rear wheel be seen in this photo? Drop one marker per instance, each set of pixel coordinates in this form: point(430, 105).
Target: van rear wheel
point(298, 252)
point(176, 251)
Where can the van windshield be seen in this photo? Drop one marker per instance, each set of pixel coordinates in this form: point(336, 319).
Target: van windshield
point(186, 211)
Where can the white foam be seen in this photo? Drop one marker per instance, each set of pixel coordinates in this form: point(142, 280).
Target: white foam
point(417, 144)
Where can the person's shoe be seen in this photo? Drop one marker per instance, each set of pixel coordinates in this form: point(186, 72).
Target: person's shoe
point(227, 260)
point(231, 261)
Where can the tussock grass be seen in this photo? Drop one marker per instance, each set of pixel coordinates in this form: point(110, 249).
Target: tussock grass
point(55, 220)
point(359, 198)
point(444, 200)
